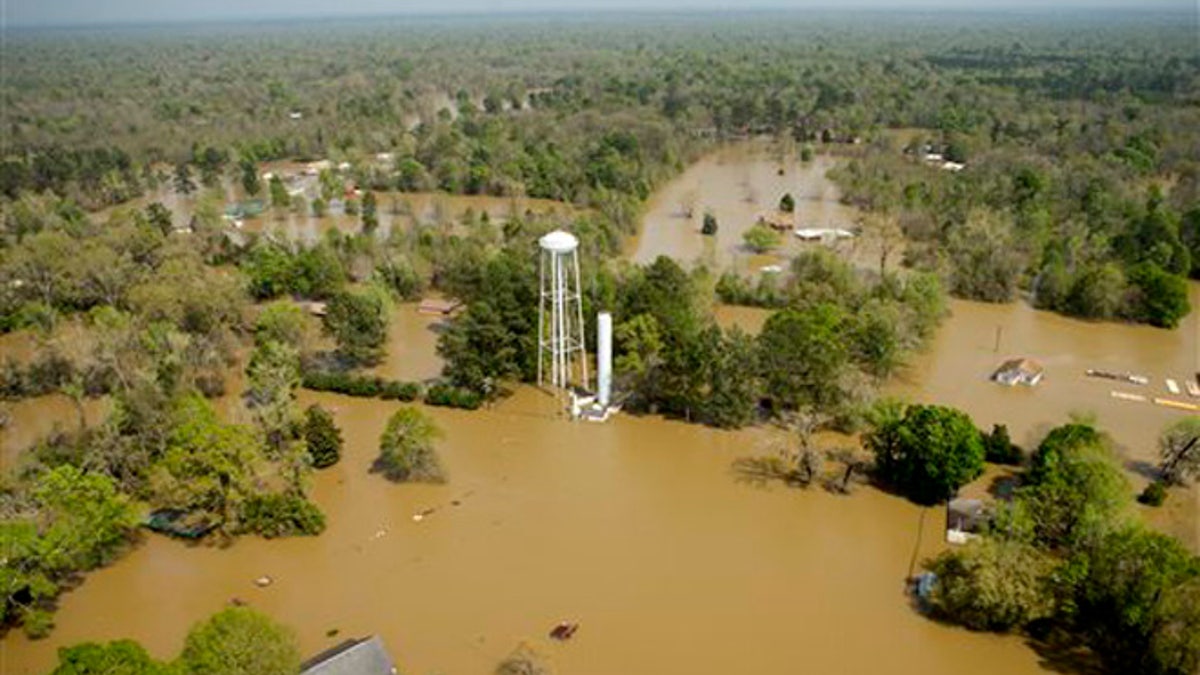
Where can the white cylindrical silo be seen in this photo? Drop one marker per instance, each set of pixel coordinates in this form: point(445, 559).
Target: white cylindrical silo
point(604, 356)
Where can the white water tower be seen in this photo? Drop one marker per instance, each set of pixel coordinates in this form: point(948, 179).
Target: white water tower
point(560, 312)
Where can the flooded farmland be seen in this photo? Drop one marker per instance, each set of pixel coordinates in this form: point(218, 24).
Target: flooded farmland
point(639, 529)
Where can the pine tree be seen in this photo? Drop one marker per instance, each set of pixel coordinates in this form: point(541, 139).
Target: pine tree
point(323, 437)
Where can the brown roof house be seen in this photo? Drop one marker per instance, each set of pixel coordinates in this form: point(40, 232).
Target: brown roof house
point(1019, 371)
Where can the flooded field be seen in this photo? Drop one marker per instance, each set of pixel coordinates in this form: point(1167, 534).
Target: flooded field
point(639, 529)
point(737, 184)
point(411, 345)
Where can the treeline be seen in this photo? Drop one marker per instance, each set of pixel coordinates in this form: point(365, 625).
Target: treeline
point(1065, 561)
point(459, 107)
point(125, 310)
point(1090, 210)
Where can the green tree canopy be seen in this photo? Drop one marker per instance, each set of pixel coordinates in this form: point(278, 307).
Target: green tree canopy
point(761, 238)
point(1075, 490)
point(322, 437)
point(928, 453)
point(240, 641)
point(992, 584)
point(803, 357)
point(119, 657)
point(358, 320)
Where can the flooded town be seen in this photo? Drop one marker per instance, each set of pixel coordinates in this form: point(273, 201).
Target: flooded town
point(576, 497)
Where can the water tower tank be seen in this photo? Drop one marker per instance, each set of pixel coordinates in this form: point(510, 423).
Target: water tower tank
point(559, 242)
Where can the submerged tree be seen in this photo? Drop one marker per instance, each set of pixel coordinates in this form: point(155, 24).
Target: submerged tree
point(761, 238)
point(1179, 448)
point(322, 437)
point(370, 213)
point(184, 185)
point(406, 451)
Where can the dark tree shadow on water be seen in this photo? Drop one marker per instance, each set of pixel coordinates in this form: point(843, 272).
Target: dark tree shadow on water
point(1061, 652)
point(1144, 469)
point(760, 471)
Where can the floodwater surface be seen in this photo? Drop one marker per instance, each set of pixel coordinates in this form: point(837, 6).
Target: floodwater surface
point(639, 529)
point(737, 184)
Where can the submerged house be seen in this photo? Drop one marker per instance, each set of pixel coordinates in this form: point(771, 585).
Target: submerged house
point(352, 657)
point(1019, 371)
point(965, 519)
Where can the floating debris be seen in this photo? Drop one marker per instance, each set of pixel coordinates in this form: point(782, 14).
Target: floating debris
point(1179, 405)
point(564, 630)
point(1120, 377)
point(263, 581)
point(1126, 396)
point(1172, 386)
point(1192, 389)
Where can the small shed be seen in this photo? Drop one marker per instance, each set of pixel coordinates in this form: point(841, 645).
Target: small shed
point(1024, 371)
point(965, 519)
point(352, 657)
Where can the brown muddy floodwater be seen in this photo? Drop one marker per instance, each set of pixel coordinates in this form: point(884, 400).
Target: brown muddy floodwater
point(639, 529)
point(738, 183)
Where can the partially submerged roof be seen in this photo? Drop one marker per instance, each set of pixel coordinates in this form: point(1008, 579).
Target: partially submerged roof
point(966, 515)
point(352, 657)
point(1024, 366)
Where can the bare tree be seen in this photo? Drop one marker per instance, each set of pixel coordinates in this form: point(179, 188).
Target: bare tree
point(1179, 448)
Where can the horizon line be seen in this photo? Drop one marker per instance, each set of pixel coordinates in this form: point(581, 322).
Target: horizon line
point(1161, 8)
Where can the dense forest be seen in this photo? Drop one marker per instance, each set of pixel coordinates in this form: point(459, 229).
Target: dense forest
point(1078, 134)
point(1005, 156)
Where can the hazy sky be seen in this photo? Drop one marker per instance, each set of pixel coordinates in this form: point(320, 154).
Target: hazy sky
point(42, 12)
